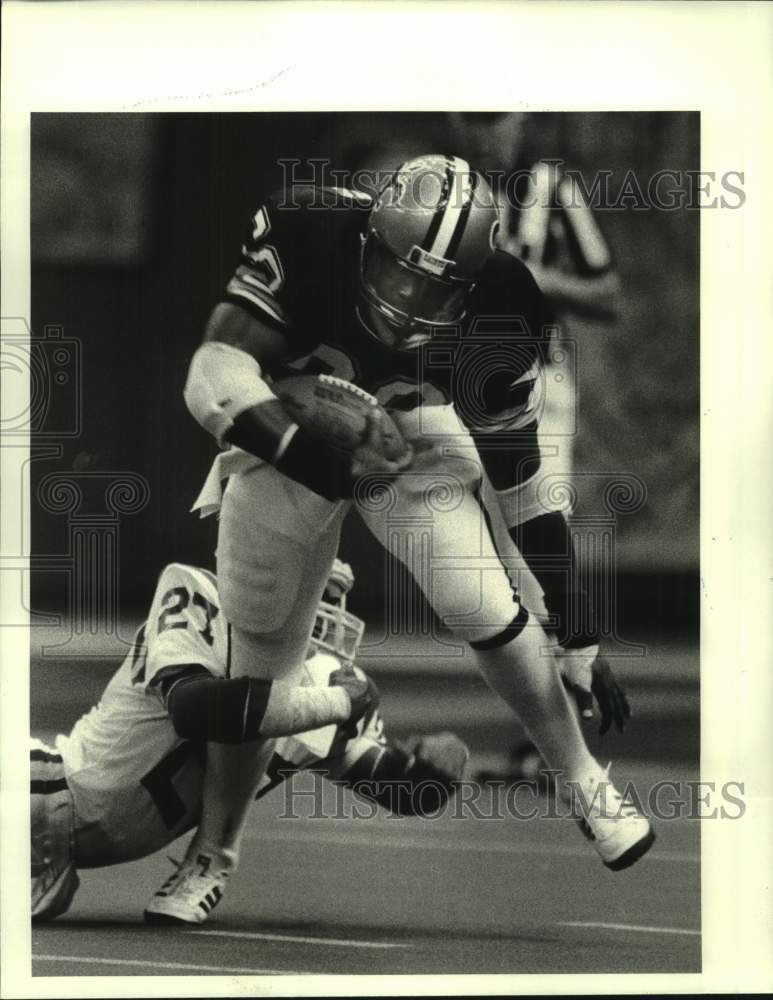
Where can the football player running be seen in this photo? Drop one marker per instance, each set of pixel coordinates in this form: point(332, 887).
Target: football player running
point(405, 295)
point(137, 771)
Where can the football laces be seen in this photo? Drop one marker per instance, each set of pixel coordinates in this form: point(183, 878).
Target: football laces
point(354, 390)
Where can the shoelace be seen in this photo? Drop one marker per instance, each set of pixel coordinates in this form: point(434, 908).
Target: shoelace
point(623, 807)
point(179, 864)
point(170, 880)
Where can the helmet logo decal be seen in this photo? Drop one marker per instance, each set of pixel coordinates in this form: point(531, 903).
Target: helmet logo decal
point(398, 187)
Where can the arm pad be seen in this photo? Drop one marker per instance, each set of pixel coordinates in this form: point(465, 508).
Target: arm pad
point(227, 395)
point(223, 381)
point(207, 708)
point(546, 544)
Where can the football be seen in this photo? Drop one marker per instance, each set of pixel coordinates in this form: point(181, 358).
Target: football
point(336, 411)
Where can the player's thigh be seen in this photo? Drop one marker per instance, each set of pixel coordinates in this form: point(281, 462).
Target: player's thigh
point(269, 530)
point(275, 645)
point(435, 526)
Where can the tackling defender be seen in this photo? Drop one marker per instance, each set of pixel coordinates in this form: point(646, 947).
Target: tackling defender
point(406, 296)
point(136, 771)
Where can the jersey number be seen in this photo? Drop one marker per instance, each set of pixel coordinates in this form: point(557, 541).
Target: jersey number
point(268, 266)
point(260, 224)
point(325, 360)
point(174, 603)
point(397, 394)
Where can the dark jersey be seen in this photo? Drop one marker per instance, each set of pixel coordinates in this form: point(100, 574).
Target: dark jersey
point(299, 271)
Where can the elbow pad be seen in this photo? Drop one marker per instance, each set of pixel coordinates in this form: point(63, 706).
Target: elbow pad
point(212, 709)
point(206, 708)
point(223, 381)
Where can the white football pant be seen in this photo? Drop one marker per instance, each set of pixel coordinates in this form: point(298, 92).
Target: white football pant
point(276, 545)
point(277, 541)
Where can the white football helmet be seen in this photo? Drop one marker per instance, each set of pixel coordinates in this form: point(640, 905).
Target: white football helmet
point(429, 236)
point(337, 630)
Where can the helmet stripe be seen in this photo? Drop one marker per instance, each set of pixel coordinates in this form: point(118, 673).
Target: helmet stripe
point(437, 218)
point(457, 199)
point(461, 222)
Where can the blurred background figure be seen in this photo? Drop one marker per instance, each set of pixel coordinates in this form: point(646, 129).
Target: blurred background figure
point(546, 218)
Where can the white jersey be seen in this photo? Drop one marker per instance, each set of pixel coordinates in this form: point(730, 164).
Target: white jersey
point(136, 785)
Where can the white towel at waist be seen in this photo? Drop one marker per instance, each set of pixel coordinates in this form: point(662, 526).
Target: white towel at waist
point(227, 463)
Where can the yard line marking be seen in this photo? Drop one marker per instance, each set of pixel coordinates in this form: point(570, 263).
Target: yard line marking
point(177, 966)
point(493, 847)
point(335, 942)
point(629, 927)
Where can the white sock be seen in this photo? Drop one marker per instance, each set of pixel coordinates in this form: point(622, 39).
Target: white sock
point(232, 775)
point(525, 675)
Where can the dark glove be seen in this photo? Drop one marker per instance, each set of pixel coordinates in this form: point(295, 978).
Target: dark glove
point(441, 755)
point(363, 694)
point(610, 697)
point(585, 680)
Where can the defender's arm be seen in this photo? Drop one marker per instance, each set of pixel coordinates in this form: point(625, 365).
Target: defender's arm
point(212, 709)
point(414, 779)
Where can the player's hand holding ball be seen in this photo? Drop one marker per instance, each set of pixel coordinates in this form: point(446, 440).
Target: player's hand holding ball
point(341, 415)
point(378, 453)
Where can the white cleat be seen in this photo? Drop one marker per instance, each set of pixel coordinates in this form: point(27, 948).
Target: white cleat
point(613, 824)
point(190, 894)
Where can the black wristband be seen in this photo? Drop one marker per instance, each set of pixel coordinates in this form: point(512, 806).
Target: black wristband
point(306, 459)
point(545, 542)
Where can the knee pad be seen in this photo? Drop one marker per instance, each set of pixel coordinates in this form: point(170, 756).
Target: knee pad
point(497, 607)
point(507, 634)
